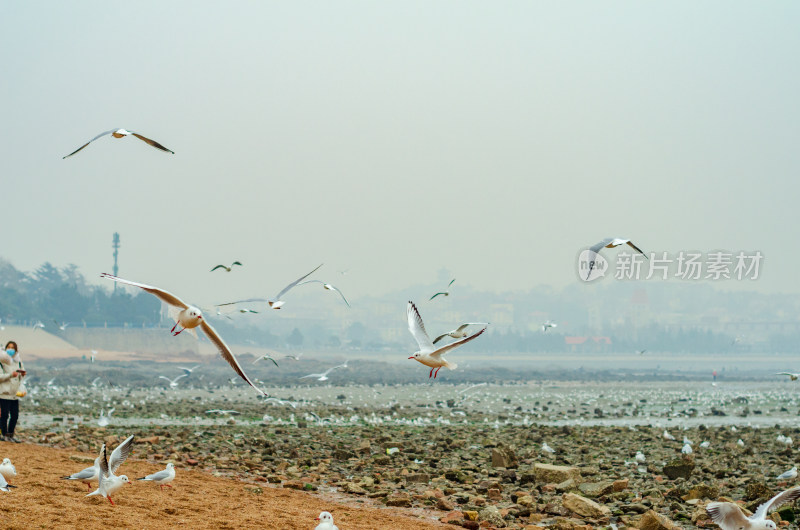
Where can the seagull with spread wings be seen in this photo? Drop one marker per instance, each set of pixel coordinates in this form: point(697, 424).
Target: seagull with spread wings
point(190, 317)
point(266, 358)
point(459, 332)
point(730, 517)
point(610, 242)
point(792, 376)
point(446, 292)
point(108, 482)
point(328, 287)
point(428, 354)
point(120, 133)
point(173, 383)
point(275, 303)
point(227, 269)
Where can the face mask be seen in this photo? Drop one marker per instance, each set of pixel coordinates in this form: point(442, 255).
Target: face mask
point(11, 351)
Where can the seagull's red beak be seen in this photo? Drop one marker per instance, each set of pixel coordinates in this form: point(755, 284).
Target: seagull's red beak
point(316, 518)
point(411, 357)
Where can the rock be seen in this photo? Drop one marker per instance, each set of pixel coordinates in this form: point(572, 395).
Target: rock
point(150, 440)
point(566, 486)
point(418, 478)
point(620, 485)
point(756, 490)
point(456, 475)
point(452, 517)
point(470, 515)
point(364, 447)
point(492, 516)
point(653, 521)
point(398, 499)
point(679, 468)
point(583, 506)
point(293, 484)
point(192, 461)
point(525, 500)
point(548, 473)
point(702, 491)
point(596, 489)
point(341, 454)
point(354, 488)
point(446, 505)
point(503, 456)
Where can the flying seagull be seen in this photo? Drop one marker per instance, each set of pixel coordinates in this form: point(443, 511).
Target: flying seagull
point(792, 376)
point(266, 357)
point(459, 332)
point(730, 517)
point(428, 354)
point(324, 375)
point(173, 383)
point(446, 292)
point(275, 303)
point(188, 371)
point(610, 242)
point(329, 287)
point(119, 133)
point(190, 317)
point(228, 269)
point(547, 325)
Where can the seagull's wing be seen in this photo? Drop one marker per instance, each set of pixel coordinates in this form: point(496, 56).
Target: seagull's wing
point(451, 282)
point(779, 499)
point(597, 246)
point(164, 296)
point(87, 143)
point(219, 267)
point(121, 453)
point(286, 289)
point(444, 349)
point(727, 515)
point(236, 263)
point(637, 249)
point(226, 352)
point(273, 360)
point(165, 377)
point(440, 337)
point(103, 464)
point(313, 375)
point(417, 328)
point(180, 377)
point(785, 373)
point(152, 142)
point(340, 293)
point(434, 296)
point(243, 301)
point(84, 474)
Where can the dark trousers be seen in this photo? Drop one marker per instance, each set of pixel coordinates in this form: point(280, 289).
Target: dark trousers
point(9, 412)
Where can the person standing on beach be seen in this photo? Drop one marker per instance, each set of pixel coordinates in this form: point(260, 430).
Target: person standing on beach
point(11, 374)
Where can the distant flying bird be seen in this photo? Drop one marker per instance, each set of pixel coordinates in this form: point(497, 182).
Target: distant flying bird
point(228, 269)
point(173, 383)
point(446, 292)
point(293, 357)
point(459, 332)
point(428, 354)
point(38, 325)
point(266, 357)
point(324, 375)
point(547, 325)
point(275, 303)
point(640, 352)
point(224, 412)
point(190, 317)
point(792, 376)
point(62, 326)
point(188, 371)
point(119, 133)
point(729, 516)
point(611, 242)
point(329, 287)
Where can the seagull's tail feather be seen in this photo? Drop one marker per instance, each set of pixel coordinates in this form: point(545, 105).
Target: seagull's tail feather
point(449, 365)
point(95, 492)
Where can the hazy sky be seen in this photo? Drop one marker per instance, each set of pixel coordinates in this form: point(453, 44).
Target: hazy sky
point(393, 139)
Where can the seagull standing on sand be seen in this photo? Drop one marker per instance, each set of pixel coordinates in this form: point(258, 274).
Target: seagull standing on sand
point(88, 475)
point(227, 269)
point(729, 516)
point(190, 317)
point(428, 354)
point(788, 475)
point(610, 242)
point(325, 522)
point(668, 436)
point(459, 332)
point(108, 482)
point(162, 478)
point(5, 485)
point(120, 133)
point(446, 292)
point(7, 469)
